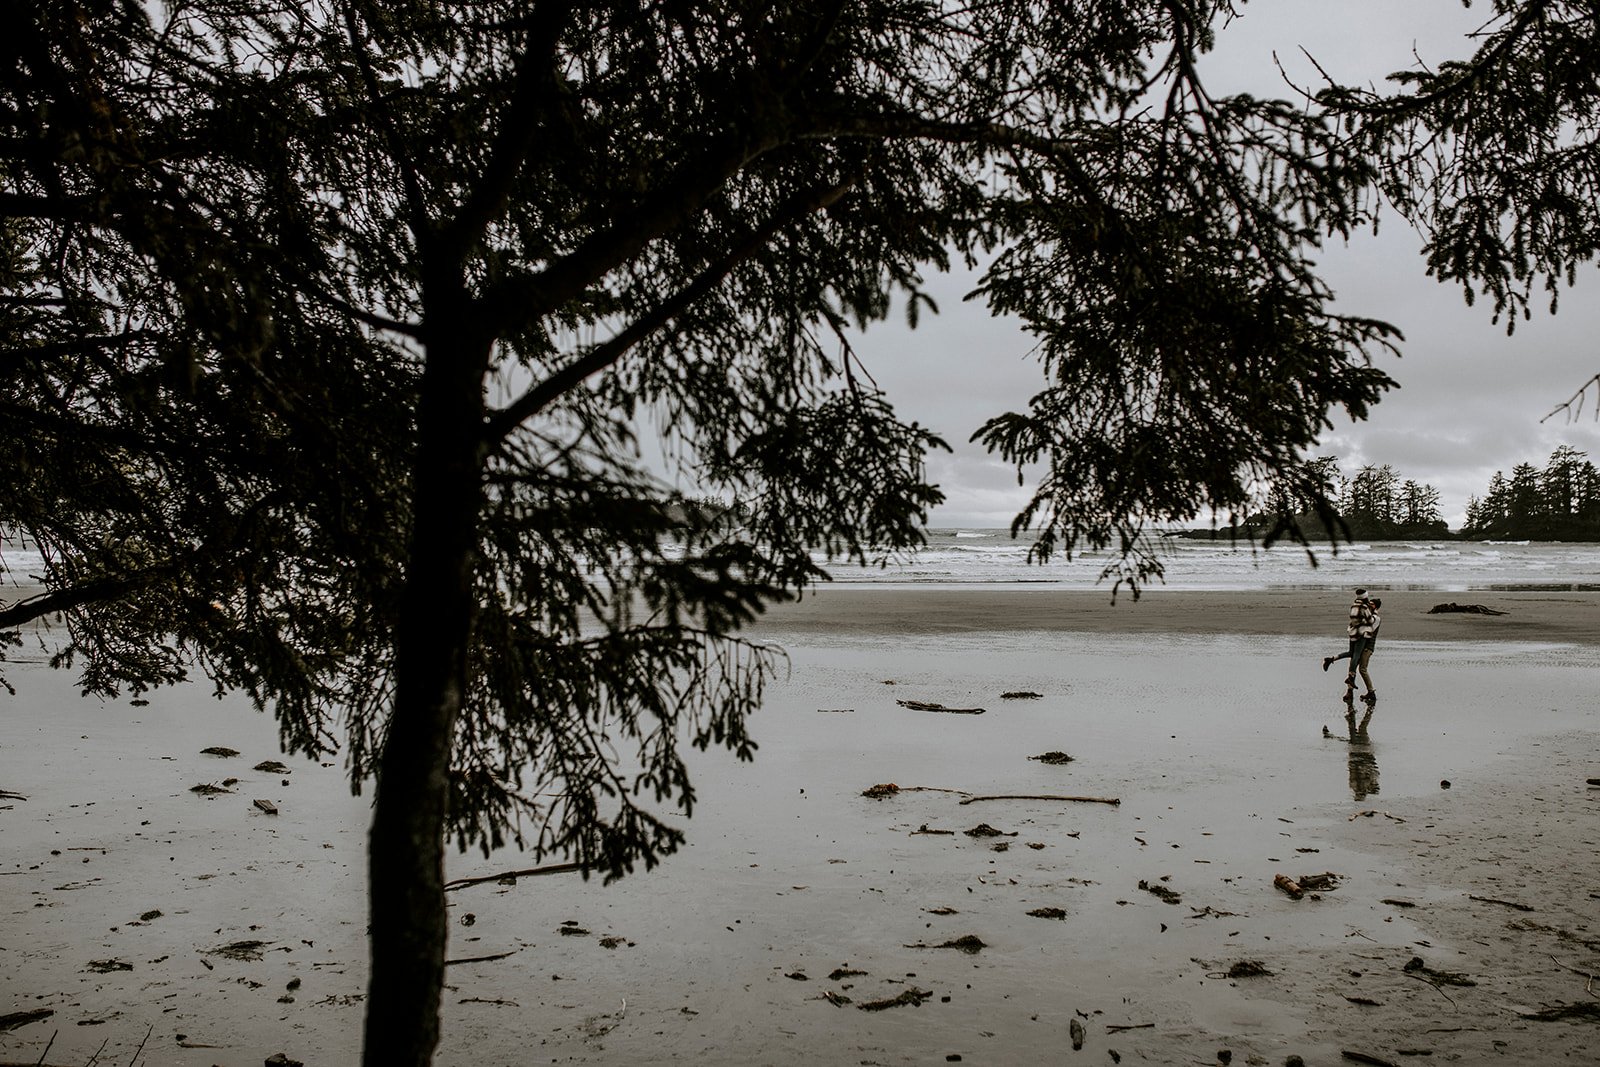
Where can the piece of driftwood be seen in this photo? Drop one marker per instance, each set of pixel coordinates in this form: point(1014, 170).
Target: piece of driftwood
point(6, 794)
point(1362, 1057)
point(1043, 796)
point(1503, 903)
point(266, 806)
point(526, 872)
point(1022, 694)
point(1054, 757)
point(971, 944)
point(1370, 812)
point(1464, 609)
point(1288, 885)
point(921, 705)
point(1115, 1028)
point(912, 996)
point(23, 1018)
point(482, 959)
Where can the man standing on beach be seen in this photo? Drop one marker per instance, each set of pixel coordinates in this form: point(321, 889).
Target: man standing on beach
point(1369, 635)
point(1360, 620)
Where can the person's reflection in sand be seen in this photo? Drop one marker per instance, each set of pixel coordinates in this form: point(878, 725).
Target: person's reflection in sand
point(1363, 761)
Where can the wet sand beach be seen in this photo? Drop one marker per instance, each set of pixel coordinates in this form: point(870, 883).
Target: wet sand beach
point(1151, 928)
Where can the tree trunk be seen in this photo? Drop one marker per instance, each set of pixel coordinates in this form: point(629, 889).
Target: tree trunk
point(406, 848)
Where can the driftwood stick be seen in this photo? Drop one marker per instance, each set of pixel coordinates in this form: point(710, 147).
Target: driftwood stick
point(526, 872)
point(1112, 1028)
point(23, 1018)
point(1045, 796)
point(482, 959)
point(1503, 903)
point(1362, 1057)
point(922, 705)
point(6, 794)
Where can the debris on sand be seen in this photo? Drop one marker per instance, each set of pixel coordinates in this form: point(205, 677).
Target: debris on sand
point(1414, 966)
point(208, 789)
point(922, 705)
point(942, 911)
point(266, 806)
point(1318, 883)
point(271, 766)
point(983, 829)
point(1238, 969)
point(1021, 694)
point(1465, 609)
point(1042, 796)
point(1054, 758)
point(1161, 892)
point(923, 829)
point(1075, 1029)
point(248, 951)
point(838, 1000)
point(839, 973)
point(967, 943)
point(1586, 1009)
point(878, 792)
point(107, 966)
point(220, 750)
point(1048, 913)
point(1288, 885)
point(23, 1018)
point(912, 996)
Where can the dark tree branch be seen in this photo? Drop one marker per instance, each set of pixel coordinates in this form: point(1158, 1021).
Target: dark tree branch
point(102, 589)
point(603, 355)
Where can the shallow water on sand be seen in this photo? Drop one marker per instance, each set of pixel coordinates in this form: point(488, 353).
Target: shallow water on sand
point(1215, 747)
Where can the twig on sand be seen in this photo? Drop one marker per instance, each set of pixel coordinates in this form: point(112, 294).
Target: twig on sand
point(6, 794)
point(1116, 1029)
point(1427, 982)
point(96, 1056)
point(1370, 812)
point(1588, 986)
point(921, 705)
point(526, 872)
point(149, 1029)
point(1044, 796)
point(482, 959)
point(1503, 903)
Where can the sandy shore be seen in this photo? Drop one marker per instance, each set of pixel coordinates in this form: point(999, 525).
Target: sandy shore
point(798, 900)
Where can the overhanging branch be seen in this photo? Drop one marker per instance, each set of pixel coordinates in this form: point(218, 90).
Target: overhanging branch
point(608, 352)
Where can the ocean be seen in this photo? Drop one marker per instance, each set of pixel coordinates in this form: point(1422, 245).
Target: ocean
point(990, 556)
point(993, 557)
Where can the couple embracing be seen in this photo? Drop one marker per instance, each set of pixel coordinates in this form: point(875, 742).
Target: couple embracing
point(1363, 634)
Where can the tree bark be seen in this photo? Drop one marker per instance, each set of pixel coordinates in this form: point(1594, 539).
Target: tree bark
point(408, 929)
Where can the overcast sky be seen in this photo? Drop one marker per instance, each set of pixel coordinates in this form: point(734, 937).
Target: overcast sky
point(1470, 399)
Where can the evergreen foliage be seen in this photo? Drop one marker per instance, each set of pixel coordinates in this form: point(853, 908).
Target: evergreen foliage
point(328, 328)
point(1558, 503)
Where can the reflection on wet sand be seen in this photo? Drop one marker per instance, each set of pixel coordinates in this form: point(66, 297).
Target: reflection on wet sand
point(1362, 760)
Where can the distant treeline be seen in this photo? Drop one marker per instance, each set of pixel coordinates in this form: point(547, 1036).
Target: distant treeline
point(1561, 502)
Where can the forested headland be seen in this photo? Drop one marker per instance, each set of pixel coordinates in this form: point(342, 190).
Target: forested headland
point(1558, 502)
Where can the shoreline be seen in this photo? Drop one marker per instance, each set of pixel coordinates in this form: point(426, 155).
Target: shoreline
point(864, 608)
